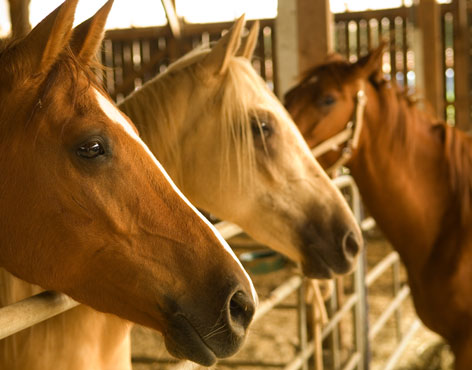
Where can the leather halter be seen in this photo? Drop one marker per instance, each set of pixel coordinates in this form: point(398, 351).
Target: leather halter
point(349, 136)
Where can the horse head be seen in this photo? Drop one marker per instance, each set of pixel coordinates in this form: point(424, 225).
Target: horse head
point(235, 152)
point(86, 209)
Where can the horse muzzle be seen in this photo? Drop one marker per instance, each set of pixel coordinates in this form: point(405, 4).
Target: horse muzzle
point(325, 254)
point(204, 344)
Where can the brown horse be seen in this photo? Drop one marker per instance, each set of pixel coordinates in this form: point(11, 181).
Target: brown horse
point(415, 176)
point(86, 209)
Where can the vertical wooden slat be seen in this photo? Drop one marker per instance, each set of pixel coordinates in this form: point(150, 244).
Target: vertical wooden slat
point(462, 68)
point(275, 60)
point(314, 32)
point(429, 25)
point(405, 51)
point(393, 49)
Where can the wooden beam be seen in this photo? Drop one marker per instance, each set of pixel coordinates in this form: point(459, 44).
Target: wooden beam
point(315, 32)
point(461, 66)
point(286, 46)
point(172, 18)
point(304, 37)
point(19, 17)
point(429, 55)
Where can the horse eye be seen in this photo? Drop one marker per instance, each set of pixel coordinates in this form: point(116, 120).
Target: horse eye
point(327, 100)
point(91, 149)
point(261, 128)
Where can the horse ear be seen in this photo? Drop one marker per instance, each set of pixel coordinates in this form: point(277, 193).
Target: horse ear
point(217, 60)
point(49, 38)
point(249, 43)
point(87, 37)
point(370, 65)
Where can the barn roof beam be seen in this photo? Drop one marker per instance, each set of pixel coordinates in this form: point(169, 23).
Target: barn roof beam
point(172, 18)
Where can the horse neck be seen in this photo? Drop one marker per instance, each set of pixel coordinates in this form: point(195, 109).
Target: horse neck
point(404, 188)
point(158, 111)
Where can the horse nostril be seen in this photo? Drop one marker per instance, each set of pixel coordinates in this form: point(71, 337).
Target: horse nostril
point(241, 311)
point(351, 246)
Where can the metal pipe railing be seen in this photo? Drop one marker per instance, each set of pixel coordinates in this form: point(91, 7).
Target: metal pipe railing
point(33, 310)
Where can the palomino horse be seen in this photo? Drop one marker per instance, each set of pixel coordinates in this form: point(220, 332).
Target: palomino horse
point(231, 147)
point(189, 132)
point(86, 209)
point(415, 176)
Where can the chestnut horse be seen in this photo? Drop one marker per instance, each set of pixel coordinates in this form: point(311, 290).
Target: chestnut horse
point(211, 127)
point(415, 177)
point(87, 210)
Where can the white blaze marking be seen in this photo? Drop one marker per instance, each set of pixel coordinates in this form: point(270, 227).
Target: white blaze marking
point(116, 116)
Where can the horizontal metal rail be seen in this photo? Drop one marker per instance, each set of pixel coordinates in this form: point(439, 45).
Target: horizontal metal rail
point(33, 310)
point(308, 352)
point(380, 268)
point(397, 301)
point(278, 295)
point(353, 362)
point(227, 229)
point(395, 357)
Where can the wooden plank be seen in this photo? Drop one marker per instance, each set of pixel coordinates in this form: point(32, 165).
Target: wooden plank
point(172, 18)
point(315, 32)
point(429, 25)
point(461, 66)
point(286, 50)
point(19, 17)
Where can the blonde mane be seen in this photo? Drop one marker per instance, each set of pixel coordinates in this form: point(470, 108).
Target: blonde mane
point(232, 106)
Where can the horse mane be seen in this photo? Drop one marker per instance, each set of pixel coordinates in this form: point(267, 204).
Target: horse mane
point(231, 105)
point(400, 115)
point(457, 149)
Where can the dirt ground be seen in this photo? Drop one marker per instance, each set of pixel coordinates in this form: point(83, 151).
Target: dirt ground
point(273, 340)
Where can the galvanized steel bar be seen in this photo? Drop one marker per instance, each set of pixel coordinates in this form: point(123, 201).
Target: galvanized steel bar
point(392, 361)
point(355, 361)
point(302, 330)
point(351, 301)
point(335, 337)
point(227, 229)
point(380, 268)
point(33, 310)
point(278, 295)
point(397, 301)
point(396, 290)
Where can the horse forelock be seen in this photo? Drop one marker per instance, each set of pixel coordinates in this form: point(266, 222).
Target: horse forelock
point(231, 109)
point(238, 91)
point(39, 90)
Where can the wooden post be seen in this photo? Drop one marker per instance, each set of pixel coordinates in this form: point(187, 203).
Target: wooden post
point(286, 46)
point(315, 32)
point(429, 55)
point(303, 38)
point(461, 65)
point(19, 17)
point(172, 18)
